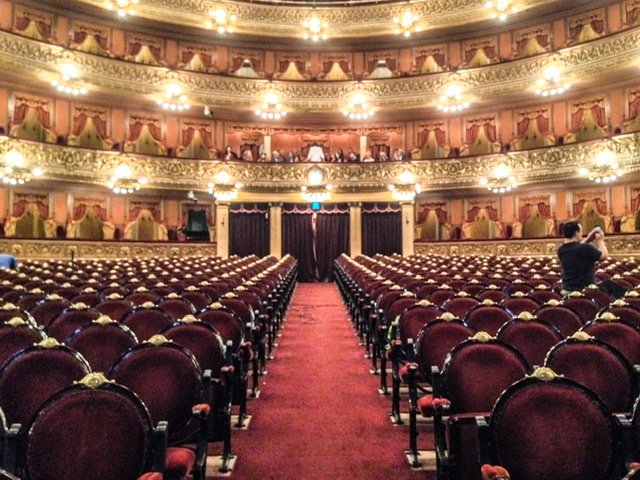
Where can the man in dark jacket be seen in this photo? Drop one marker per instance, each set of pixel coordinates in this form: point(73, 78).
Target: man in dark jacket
point(578, 256)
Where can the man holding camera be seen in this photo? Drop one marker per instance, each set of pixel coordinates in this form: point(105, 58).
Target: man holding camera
point(578, 256)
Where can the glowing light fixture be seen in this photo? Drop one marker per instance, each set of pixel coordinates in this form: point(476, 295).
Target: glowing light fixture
point(221, 20)
point(406, 23)
point(357, 107)
point(551, 83)
point(316, 193)
point(68, 83)
point(502, 180)
point(174, 99)
point(123, 182)
point(15, 171)
point(406, 189)
point(271, 108)
point(452, 100)
point(222, 189)
point(122, 7)
point(605, 169)
point(500, 9)
point(315, 28)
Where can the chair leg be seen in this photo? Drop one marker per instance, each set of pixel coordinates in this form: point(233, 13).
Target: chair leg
point(395, 401)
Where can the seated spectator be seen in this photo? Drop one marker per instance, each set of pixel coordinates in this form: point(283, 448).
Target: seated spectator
point(383, 157)
point(293, 157)
point(263, 157)
point(340, 156)
point(277, 157)
point(229, 154)
point(398, 155)
point(247, 156)
point(368, 157)
point(352, 157)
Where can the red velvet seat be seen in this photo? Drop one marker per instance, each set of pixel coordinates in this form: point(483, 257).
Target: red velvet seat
point(101, 342)
point(137, 298)
point(168, 379)
point(91, 298)
point(597, 366)
point(487, 318)
point(16, 335)
point(34, 374)
point(198, 299)
point(530, 336)
point(564, 318)
point(146, 321)
point(519, 304)
point(625, 312)
point(49, 308)
point(65, 323)
point(176, 307)
point(460, 305)
point(586, 307)
point(115, 307)
point(98, 430)
point(474, 374)
point(622, 336)
point(494, 294)
point(549, 427)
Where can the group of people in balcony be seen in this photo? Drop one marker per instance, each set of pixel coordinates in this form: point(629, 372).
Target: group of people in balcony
point(316, 154)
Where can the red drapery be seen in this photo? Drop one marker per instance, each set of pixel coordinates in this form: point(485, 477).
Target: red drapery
point(20, 208)
point(22, 23)
point(542, 122)
point(635, 204)
point(134, 48)
point(284, 64)
point(597, 112)
point(489, 51)
point(79, 36)
point(632, 13)
point(344, 65)
point(80, 210)
point(440, 135)
point(135, 128)
point(80, 121)
point(187, 56)
point(441, 214)
point(525, 210)
point(42, 114)
point(492, 213)
point(205, 133)
point(473, 130)
point(597, 25)
point(134, 213)
point(20, 112)
point(389, 62)
point(438, 57)
point(599, 205)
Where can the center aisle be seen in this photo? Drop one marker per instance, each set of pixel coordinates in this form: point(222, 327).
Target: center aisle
point(319, 415)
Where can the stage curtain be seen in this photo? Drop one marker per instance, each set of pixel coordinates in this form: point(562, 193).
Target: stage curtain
point(381, 229)
point(249, 230)
point(297, 240)
point(332, 240)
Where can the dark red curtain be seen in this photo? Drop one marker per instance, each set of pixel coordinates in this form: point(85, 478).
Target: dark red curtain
point(332, 240)
point(381, 228)
point(249, 229)
point(297, 240)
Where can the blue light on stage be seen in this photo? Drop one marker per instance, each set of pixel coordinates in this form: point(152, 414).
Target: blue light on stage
point(315, 206)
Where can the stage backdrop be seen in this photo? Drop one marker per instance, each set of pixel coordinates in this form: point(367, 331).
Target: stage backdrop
point(381, 228)
point(249, 229)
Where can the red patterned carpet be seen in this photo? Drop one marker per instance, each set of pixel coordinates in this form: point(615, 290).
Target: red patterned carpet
point(319, 415)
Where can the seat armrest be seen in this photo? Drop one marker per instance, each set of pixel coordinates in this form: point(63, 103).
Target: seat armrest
point(12, 446)
point(483, 439)
point(160, 436)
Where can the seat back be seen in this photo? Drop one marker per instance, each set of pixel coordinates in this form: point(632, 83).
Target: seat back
point(625, 312)
point(49, 308)
point(534, 411)
point(34, 374)
point(202, 340)
point(620, 335)
point(198, 299)
point(92, 430)
point(597, 366)
point(101, 342)
point(477, 370)
point(530, 336)
point(166, 377)
point(436, 339)
point(68, 321)
point(460, 305)
point(116, 309)
point(518, 305)
point(415, 317)
point(225, 322)
point(586, 307)
point(564, 318)
point(177, 307)
point(138, 298)
point(16, 335)
point(487, 318)
point(145, 321)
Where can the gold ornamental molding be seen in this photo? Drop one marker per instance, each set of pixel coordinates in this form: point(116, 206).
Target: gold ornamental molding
point(552, 164)
point(64, 249)
point(619, 245)
point(351, 22)
point(589, 62)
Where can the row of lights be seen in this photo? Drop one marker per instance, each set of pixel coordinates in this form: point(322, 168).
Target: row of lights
point(605, 169)
point(315, 28)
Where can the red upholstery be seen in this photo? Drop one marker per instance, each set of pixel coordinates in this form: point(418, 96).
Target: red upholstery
point(414, 318)
point(150, 476)
point(68, 321)
point(116, 309)
point(491, 472)
point(518, 305)
point(531, 338)
point(565, 319)
point(177, 308)
point(44, 312)
point(179, 461)
point(13, 339)
point(460, 306)
point(101, 345)
point(427, 405)
point(202, 340)
point(622, 336)
point(227, 323)
point(533, 412)
point(146, 322)
point(487, 318)
point(584, 306)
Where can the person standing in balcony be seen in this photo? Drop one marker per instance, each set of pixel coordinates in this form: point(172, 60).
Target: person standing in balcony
point(316, 154)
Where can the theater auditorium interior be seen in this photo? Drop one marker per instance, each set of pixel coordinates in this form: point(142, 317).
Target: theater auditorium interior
point(316, 239)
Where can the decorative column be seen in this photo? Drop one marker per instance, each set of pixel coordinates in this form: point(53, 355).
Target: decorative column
point(266, 141)
point(222, 229)
point(408, 228)
point(363, 145)
point(275, 229)
point(355, 229)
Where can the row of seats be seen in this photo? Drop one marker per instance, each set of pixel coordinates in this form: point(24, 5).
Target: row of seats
point(440, 348)
point(185, 376)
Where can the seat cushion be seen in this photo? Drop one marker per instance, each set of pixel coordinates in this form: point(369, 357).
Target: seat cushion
point(180, 460)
